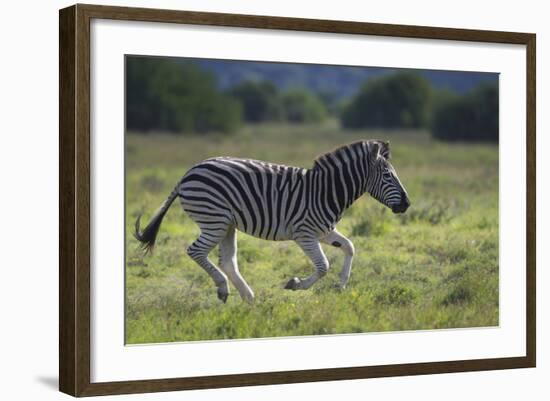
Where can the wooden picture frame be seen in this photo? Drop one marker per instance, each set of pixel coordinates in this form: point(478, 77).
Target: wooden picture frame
point(74, 200)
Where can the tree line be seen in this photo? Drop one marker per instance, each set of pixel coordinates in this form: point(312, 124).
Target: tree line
point(166, 95)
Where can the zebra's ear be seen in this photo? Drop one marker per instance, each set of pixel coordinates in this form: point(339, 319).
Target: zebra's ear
point(374, 150)
point(385, 150)
point(380, 148)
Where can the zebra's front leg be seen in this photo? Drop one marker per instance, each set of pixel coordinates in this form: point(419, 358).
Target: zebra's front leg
point(312, 248)
point(337, 240)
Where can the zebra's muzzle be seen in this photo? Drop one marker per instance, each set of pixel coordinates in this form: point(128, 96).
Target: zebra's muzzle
point(403, 206)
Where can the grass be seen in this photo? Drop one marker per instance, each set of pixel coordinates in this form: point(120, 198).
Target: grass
point(434, 267)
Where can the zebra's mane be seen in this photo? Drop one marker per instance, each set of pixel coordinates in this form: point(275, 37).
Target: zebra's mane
point(336, 152)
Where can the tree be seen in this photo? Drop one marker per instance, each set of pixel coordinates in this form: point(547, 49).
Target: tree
point(301, 106)
point(167, 95)
point(259, 99)
point(470, 117)
point(400, 100)
point(330, 100)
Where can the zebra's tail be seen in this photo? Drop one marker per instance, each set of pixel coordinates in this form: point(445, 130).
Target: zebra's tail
point(148, 236)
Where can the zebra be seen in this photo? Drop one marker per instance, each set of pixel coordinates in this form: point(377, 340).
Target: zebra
point(277, 202)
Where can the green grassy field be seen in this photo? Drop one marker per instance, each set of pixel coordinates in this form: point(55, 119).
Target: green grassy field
point(434, 267)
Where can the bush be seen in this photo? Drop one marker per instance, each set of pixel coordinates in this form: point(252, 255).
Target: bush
point(397, 295)
point(166, 95)
point(259, 100)
point(471, 117)
point(400, 100)
point(301, 106)
point(331, 101)
point(459, 295)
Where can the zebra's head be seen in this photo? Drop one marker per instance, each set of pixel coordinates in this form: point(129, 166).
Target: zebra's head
point(383, 183)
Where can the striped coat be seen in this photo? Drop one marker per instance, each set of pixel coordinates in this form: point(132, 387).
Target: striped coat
point(278, 202)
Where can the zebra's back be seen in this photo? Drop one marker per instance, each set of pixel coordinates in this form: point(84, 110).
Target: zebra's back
point(259, 198)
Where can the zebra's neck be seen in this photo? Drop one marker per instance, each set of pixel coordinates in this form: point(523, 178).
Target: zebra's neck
point(339, 178)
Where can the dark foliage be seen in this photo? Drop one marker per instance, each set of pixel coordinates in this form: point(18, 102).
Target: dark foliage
point(259, 100)
point(165, 95)
point(301, 106)
point(470, 117)
point(400, 100)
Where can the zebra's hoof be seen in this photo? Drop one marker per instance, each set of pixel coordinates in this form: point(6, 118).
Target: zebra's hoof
point(222, 295)
point(293, 284)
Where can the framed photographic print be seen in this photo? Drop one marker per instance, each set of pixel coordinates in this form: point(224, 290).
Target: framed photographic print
point(250, 200)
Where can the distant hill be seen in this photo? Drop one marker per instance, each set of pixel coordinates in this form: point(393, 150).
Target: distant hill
point(343, 81)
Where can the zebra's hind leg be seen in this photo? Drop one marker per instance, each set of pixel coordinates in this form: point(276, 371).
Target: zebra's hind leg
point(312, 248)
point(228, 263)
point(199, 251)
point(337, 240)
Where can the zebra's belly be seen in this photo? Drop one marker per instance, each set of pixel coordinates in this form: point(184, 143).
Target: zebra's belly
point(272, 234)
point(285, 232)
